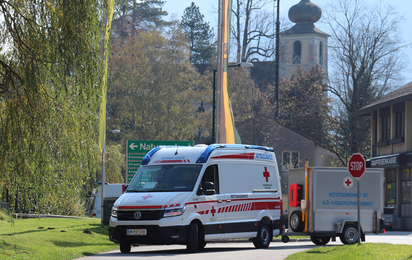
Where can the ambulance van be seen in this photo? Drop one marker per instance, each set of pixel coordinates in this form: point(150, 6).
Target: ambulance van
point(194, 195)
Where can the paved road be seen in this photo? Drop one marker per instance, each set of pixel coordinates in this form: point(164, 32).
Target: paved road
point(243, 250)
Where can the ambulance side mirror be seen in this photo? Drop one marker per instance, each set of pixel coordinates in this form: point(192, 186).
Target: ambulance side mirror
point(125, 187)
point(208, 188)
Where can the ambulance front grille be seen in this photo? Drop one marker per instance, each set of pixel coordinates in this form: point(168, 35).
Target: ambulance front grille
point(145, 215)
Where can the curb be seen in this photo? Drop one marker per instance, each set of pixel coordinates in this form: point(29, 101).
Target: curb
point(26, 216)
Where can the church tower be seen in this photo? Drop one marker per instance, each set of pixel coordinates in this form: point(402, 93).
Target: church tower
point(303, 44)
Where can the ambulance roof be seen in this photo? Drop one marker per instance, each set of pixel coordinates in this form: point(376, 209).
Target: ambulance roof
point(196, 154)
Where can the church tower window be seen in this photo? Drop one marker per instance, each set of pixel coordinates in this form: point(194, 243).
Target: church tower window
point(297, 52)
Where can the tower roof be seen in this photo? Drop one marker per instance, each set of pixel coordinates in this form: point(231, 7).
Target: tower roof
point(304, 14)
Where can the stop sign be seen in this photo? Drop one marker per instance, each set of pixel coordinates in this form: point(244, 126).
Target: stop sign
point(356, 165)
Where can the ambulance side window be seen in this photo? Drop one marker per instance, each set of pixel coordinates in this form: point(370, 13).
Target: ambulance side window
point(211, 175)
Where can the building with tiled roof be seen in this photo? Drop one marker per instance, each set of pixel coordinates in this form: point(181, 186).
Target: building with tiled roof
point(391, 144)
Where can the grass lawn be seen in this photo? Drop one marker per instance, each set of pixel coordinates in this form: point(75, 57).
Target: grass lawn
point(53, 238)
point(68, 238)
point(364, 251)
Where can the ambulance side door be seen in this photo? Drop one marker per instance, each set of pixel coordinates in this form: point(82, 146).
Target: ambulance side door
point(209, 204)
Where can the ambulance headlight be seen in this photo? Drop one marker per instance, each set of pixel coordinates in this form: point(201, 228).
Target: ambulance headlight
point(114, 212)
point(175, 211)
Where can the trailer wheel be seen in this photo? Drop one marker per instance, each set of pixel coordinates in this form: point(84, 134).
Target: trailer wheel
point(349, 235)
point(192, 238)
point(125, 248)
point(263, 238)
point(295, 222)
point(320, 241)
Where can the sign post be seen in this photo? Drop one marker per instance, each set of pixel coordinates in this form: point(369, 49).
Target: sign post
point(356, 167)
point(137, 149)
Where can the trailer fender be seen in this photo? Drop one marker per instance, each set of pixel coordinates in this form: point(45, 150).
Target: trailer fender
point(341, 225)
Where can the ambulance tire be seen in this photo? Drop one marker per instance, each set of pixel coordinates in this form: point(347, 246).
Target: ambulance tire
point(264, 235)
point(192, 238)
point(350, 235)
point(320, 241)
point(125, 248)
point(201, 245)
point(295, 221)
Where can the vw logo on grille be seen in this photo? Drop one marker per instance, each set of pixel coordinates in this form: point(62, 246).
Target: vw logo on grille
point(137, 215)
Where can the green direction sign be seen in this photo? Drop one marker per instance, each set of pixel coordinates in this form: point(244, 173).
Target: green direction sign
point(129, 178)
point(131, 171)
point(135, 157)
point(134, 164)
point(144, 146)
point(137, 149)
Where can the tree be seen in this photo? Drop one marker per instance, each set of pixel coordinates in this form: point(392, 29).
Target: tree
point(200, 35)
point(115, 163)
point(366, 56)
point(305, 106)
point(50, 81)
point(132, 16)
point(153, 87)
point(253, 29)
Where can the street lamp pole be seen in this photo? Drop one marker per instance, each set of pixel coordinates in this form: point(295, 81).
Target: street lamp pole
point(214, 107)
point(104, 171)
point(277, 64)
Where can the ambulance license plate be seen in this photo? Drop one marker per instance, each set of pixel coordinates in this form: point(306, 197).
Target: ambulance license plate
point(136, 232)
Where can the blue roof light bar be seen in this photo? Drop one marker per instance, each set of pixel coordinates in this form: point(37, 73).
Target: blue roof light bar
point(146, 158)
point(205, 155)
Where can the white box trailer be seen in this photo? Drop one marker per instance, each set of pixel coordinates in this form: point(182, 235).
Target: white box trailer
point(328, 207)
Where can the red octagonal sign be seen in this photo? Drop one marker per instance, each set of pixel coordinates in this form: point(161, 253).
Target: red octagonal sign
point(356, 165)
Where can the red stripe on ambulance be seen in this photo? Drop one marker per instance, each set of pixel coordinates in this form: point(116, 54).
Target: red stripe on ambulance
point(249, 156)
point(261, 205)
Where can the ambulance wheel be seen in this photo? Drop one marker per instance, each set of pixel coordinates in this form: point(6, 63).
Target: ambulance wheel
point(192, 238)
point(263, 238)
point(125, 248)
point(349, 235)
point(320, 241)
point(201, 245)
point(295, 222)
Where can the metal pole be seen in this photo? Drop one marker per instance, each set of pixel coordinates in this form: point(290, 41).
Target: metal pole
point(214, 107)
point(277, 64)
point(103, 178)
point(219, 78)
point(359, 229)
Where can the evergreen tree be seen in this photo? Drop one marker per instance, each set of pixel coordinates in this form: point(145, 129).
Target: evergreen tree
point(132, 16)
point(200, 35)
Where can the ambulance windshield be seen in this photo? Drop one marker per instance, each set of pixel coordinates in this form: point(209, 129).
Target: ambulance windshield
point(176, 177)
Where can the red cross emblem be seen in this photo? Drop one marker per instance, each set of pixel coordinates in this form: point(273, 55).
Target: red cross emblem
point(147, 197)
point(347, 182)
point(213, 211)
point(266, 174)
